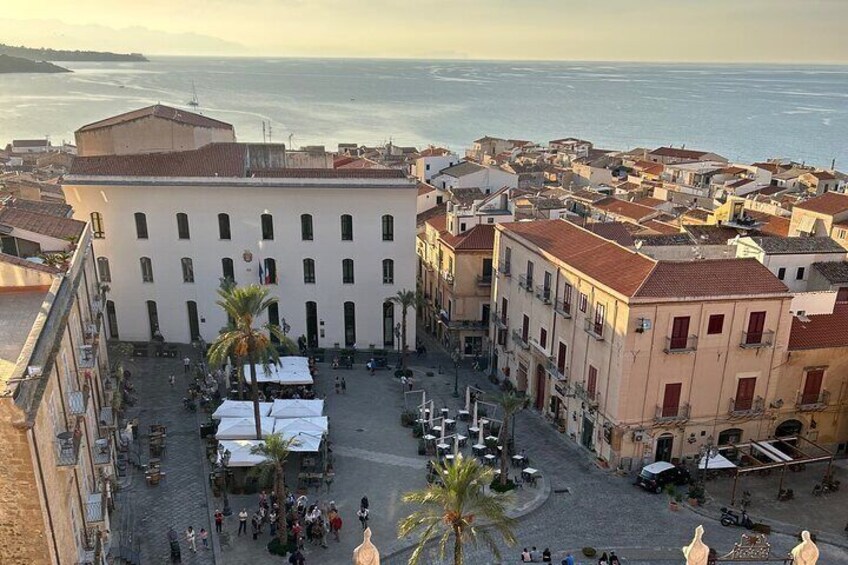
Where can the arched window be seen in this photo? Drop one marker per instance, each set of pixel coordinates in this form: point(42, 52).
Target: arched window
point(267, 226)
point(224, 226)
point(146, 270)
point(97, 225)
point(347, 271)
point(188, 269)
point(309, 271)
point(227, 270)
point(306, 233)
point(388, 271)
point(388, 228)
point(182, 226)
point(103, 269)
point(347, 227)
point(141, 225)
point(727, 437)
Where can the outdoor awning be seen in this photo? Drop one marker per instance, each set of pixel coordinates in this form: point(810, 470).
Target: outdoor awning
point(305, 442)
point(240, 455)
point(243, 428)
point(807, 224)
point(290, 371)
point(771, 452)
point(240, 409)
point(290, 426)
point(297, 408)
point(718, 461)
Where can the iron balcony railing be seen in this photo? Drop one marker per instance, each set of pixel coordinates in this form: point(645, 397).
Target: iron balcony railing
point(672, 413)
point(752, 340)
point(102, 453)
point(505, 268)
point(518, 338)
point(563, 308)
point(525, 282)
point(94, 509)
point(500, 321)
point(543, 293)
point(88, 356)
point(593, 328)
point(555, 372)
point(68, 448)
point(78, 401)
point(593, 399)
point(814, 401)
point(681, 344)
point(746, 406)
point(448, 277)
point(484, 280)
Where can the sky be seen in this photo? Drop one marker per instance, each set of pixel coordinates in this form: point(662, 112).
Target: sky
point(766, 31)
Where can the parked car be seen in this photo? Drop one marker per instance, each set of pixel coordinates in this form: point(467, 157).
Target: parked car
point(656, 476)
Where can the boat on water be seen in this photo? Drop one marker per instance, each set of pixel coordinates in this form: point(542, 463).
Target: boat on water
point(193, 102)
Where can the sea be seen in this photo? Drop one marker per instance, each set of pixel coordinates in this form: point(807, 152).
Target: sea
point(744, 112)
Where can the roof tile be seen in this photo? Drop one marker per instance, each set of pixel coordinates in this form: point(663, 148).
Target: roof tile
point(159, 111)
point(820, 332)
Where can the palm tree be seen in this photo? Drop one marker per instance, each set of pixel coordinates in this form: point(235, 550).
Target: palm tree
point(510, 404)
point(245, 342)
point(455, 508)
point(276, 451)
point(406, 299)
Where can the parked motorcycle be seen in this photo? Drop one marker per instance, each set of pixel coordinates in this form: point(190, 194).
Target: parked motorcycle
point(785, 494)
point(826, 486)
point(731, 518)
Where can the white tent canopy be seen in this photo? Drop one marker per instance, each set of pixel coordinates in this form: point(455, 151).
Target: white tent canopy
point(290, 371)
point(240, 455)
point(297, 408)
point(306, 442)
point(240, 409)
point(243, 428)
point(289, 426)
point(716, 462)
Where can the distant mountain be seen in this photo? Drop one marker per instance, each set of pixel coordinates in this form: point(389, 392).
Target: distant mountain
point(65, 55)
point(10, 64)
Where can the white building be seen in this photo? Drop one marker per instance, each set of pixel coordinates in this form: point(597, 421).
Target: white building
point(468, 174)
point(431, 161)
point(791, 258)
point(331, 244)
point(31, 146)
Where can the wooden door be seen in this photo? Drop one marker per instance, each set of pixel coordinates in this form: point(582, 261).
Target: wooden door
point(671, 400)
point(745, 393)
point(812, 387)
point(756, 323)
point(540, 387)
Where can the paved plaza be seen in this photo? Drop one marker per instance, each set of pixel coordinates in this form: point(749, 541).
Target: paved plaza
point(578, 505)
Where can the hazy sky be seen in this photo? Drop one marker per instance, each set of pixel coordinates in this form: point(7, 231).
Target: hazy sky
point(646, 30)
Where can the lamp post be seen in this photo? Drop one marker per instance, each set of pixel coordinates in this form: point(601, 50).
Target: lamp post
point(223, 464)
point(456, 357)
point(284, 326)
point(397, 336)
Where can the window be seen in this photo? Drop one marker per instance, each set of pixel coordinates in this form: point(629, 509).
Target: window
point(312, 324)
point(188, 270)
point(347, 271)
point(781, 273)
point(112, 319)
point(306, 227)
point(799, 274)
point(592, 381)
point(274, 319)
point(566, 299)
point(715, 324)
point(504, 308)
point(812, 387)
point(427, 167)
point(487, 270)
point(224, 226)
point(679, 332)
point(350, 324)
point(584, 302)
point(671, 400)
point(103, 269)
point(529, 274)
point(745, 394)
point(97, 225)
point(389, 324)
point(227, 269)
point(388, 271)
point(439, 199)
point(269, 274)
point(267, 226)
point(347, 227)
point(730, 437)
point(182, 226)
point(507, 263)
point(546, 286)
point(756, 323)
point(562, 355)
point(140, 225)
point(462, 227)
point(525, 328)
point(309, 271)
point(153, 318)
point(146, 270)
point(600, 312)
point(543, 338)
point(193, 324)
point(388, 228)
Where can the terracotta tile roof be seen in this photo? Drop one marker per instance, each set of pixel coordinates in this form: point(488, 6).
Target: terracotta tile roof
point(434, 152)
point(775, 245)
point(739, 183)
point(625, 209)
point(330, 174)
point(698, 214)
point(462, 169)
point(12, 260)
point(58, 209)
point(650, 202)
point(438, 223)
point(821, 331)
point(431, 213)
point(710, 278)
point(213, 160)
point(772, 167)
point(341, 161)
point(678, 153)
point(608, 263)
point(613, 231)
point(836, 272)
point(361, 163)
point(480, 237)
point(649, 167)
point(771, 190)
point(830, 203)
point(661, 227)
point(424, 188)
point(823, 175)
point(44, 224)
point(159, 111)
point(711, 235)
point(732, 170)
point(30, 143)
point(771, 225)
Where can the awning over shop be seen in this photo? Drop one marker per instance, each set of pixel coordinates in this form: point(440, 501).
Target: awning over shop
point(289, 371)
point(297, 408)
point(243, 428)
point(240, 409)
point(718, 461)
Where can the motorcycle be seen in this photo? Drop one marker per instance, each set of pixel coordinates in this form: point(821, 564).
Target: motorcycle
point(189, 405)
point(731, 518)
point(826, 486)
point(785, 494)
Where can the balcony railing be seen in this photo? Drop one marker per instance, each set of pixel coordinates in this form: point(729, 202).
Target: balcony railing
point(91, 545)
point(87, 356)
point(593, 399)
point(505, 268)
point(746, 406)
point(525, 282)
point(78, 401)
point(681, 344)
point(500, 321)
point(594, 329)
point(752, 340)
point(518, 338)
point(563, 308)
point(68, 448)
point(484, 280)
point(102, 452)
point(538, 346)
point(94, 509)
point(465, 324)
point(543, 293)
point(672, 413)
point(815, 401)
point(555, 372)
point(448, 277)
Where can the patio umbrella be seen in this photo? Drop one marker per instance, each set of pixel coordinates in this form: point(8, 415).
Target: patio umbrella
point(443, 426)
point(474, 425)
point(480, 436)
point(455, 444)
point(467, 398)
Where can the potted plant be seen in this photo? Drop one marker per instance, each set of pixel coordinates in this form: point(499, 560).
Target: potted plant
point(674, 498)
point(696, 494)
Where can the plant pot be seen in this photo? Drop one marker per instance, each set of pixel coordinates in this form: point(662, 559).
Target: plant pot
point(693, 502)
point(673, 506)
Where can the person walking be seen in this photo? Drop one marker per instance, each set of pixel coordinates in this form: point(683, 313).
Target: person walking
point(219, 521)
point(604, 560)
point(338, 385)
point(364, 502)
point(186, 365)
point(204, 538)
point(613, 559)
point(335, 523)
point(242, 522)
point(190, 538)
point(174, 542)
point(362, 514)
point(344, 386)
point(172, 381)
point(297, 558)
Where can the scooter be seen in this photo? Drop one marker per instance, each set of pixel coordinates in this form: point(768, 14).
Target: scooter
point(731, 518)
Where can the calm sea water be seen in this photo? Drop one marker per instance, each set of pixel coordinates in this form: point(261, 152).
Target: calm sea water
point(742, 112)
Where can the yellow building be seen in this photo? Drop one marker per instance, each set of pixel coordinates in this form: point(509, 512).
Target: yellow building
point(825, 215)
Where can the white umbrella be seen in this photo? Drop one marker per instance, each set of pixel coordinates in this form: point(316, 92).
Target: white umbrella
point(467, 398)
point(443, 426)
point(475, 415)
point(455, 444)
point(432, 408)
point(480, 436)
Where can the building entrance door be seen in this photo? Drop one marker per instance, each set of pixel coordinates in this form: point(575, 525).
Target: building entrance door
point(664, 445)
point(540, 388)
point(588, 432)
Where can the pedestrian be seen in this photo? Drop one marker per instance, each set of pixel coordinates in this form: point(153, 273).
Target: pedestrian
point(174, 542)
point(242, 522)
point(613, 559)
point(263, 500)
point(525, 556)
point(604, 560)
point(204, 535)
point(297, 558)
point(190, 538)
point(546, 555)
point(409, 383)
point(534, 554)
point(219, 521)
point(403, 382)
point(272, 518)
point(186, 365)
point(335, 523)
point(172, 381)
point(362, 514)
point(255, 525)
point(344, 386)
point(338, 385)
point(569, 560)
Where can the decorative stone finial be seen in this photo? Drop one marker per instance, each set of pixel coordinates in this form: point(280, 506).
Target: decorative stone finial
point(697, 552)
point(367, 554)
point(806, 552)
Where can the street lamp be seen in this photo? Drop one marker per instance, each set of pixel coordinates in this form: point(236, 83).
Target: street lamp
point(223, 463)
point(456, 357)
point(284, 326)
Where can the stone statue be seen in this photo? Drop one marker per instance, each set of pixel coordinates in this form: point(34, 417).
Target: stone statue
point(806, 552)
point(697, 552)
point(366, 554)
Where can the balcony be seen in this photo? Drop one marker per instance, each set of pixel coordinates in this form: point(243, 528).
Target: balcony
point(554, 371)
point(525, 282)
point(68, 448)
point(538, 347)
point(812, 402)
point(754, 340)
point(500, 321)
point(505, 269)
point(563, 309)
point(447, 276)
point(87, 356)
point(465, 324)
point(107, 418)
point(484, 280)
point(91, 545)
point(669, 414)
point(593, 399)
point(518, 338)
point(102, 453)
point(94, 511)
point(681, 344)
point(746, 406)
point(544, 294)
point(78, 401)
point(594, 329)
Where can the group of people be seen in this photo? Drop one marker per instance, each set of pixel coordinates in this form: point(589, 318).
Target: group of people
point(533, 556)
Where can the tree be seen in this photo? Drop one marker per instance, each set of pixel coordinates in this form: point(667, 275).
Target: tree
point(510, 404)
point(406, 299)
point(455, 508)
point(276, 450)
point(245, 342)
